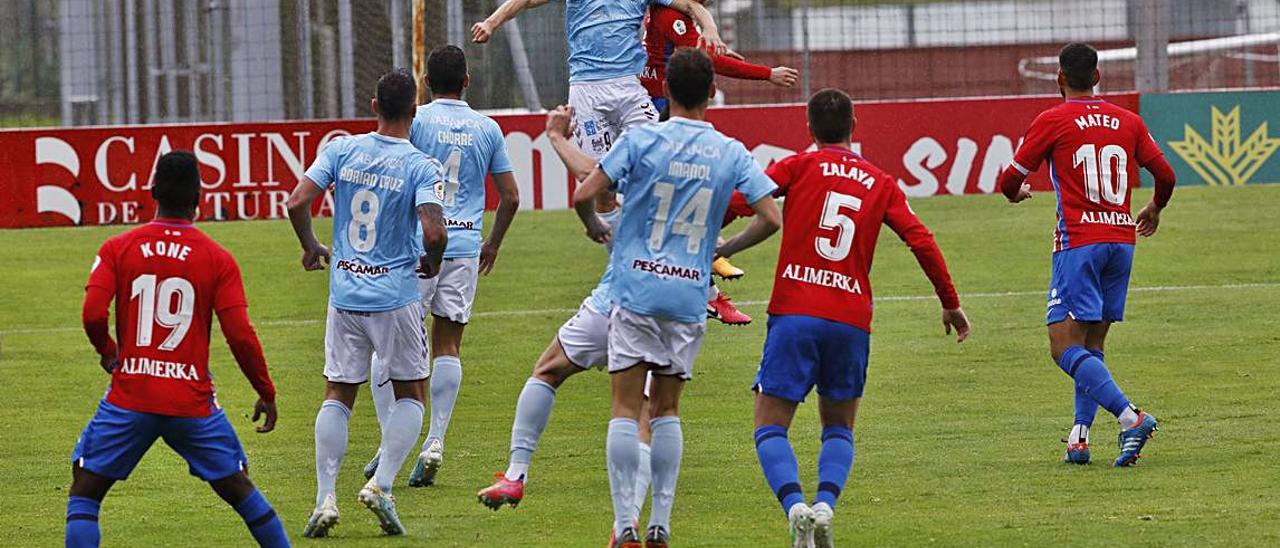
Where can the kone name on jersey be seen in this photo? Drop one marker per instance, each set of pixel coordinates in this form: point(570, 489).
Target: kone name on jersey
point(377, 180)
point(164, 249)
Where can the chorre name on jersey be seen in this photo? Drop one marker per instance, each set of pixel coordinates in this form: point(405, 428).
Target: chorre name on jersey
point(378, 180)
point(455, 139)
point(1098, 120)
point(832, 169)
point(684, 170)
point(667, 270)
point(1118, 218)
point(157, 368)
point(822, 277)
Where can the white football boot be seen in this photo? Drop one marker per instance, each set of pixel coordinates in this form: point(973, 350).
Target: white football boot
point(322, 519)
point(801, 526)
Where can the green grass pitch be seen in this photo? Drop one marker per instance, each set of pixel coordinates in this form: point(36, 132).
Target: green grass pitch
point(957, 445)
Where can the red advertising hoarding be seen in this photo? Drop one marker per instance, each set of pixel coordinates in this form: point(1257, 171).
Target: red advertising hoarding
point(101, 175)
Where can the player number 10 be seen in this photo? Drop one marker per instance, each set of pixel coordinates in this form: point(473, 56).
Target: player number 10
point(156, 305)
point(1098, 180)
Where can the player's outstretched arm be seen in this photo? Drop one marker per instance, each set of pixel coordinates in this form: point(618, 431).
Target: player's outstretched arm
point(508, 204)
point(767, 220)
point(247, 350)
point(1012, 183)
point(481, 32)
point(435, 238)
point(1166, 179)
point(314, 254)
point(710, 39)
point(584, 202)
point(559, 128)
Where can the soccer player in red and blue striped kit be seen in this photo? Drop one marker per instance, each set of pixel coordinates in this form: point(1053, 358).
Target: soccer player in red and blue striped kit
point(820, 310)
point(1094, 150)
point(168, 279)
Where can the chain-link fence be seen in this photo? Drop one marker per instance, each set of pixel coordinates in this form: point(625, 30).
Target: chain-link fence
point(76, 62)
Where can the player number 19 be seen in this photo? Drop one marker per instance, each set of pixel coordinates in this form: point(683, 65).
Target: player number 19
point(157, 305)
point(691, 222)
point(833, 217)
point(1098, 178)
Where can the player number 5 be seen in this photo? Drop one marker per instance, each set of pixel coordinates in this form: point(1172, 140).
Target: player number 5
point(837, 249)
point(1098, 177)
point(157, 305)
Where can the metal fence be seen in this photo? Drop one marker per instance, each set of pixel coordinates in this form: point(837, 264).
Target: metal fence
point(77, 62)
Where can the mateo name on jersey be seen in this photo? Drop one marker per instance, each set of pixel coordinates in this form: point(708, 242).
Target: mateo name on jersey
point(822, 277)
point(161, 369)
point(1098, 120)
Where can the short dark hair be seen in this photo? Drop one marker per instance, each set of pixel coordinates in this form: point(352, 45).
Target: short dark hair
point(1078, 62)
point(690, 76)
point(831, 116)
point(177, 182)
point(446, 70)
point(396, 95)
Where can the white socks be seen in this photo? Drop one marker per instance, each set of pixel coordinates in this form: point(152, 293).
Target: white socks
point(668, 448)
point(331, 446)
point(446, 380)
point(1079, 434)
point(644, 474)
point(399, 437)
point(1129, 418)
point(622, 450)
point(533, 410)
point(384, 395)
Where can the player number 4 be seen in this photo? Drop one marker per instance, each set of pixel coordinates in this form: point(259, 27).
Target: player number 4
point(448, 192)
point(691, 222)
point(1098, 177)
point(833, 218)
point(157, 305)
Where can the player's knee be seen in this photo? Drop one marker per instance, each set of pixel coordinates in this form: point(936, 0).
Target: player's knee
point(554, 372)
point(88, 484)
point(233, 488)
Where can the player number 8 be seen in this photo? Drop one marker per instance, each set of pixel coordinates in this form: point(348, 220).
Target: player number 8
point(362, 231)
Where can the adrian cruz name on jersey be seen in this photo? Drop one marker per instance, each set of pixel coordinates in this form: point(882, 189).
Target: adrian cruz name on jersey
point(374, 180)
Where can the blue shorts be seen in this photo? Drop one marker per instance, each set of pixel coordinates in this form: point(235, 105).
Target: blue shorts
point(116, 439)
point(1090, 283)
point(801, 352)
point(659, 103)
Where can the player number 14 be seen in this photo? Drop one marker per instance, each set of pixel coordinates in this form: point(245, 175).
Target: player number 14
point(1099, 183)
point(158, 305)
point(690, 222)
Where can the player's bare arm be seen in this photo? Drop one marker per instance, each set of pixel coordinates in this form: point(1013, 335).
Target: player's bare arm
point(710, 38)
point(955, 318)
point(768, 219)
point(314, 254)
point(435, 238)
point(508, 204)
point(481, 32)
point(584, 202)
point(559, 129)
point(783, 76)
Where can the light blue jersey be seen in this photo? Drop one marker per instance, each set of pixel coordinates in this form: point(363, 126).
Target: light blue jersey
point(469, 146)
point(604, 38)
point(601, 299)
point(377, 184)
point(675, 177)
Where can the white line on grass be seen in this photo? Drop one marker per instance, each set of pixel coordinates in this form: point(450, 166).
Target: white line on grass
point(890, 298)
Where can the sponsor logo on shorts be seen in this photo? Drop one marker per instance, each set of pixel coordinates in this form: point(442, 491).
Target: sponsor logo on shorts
point(667, 270)
point(161, 369)
point(1053, 299)
point(360, 269)
point(589, 126)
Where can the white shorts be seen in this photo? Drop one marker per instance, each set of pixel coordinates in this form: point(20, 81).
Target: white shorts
point(604, 109)
point(451, 293)
point(351, 338)
point(585, 338)
point(670, 345)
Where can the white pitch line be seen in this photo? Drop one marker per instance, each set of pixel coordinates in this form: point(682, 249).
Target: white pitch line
point(890, 298)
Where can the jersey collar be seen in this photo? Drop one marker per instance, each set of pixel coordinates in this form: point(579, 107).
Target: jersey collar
point(1092, 99)
point(458, 102)
point(845, 151)
point(172, 222)
point(689, 121)
point(387, 138)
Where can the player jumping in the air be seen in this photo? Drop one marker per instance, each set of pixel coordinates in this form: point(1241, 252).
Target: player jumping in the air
point(167, 279)
point(470, 146)
point(820, 310)
point(677, 176)
point(385, 200)
point(1094, 150)
point(582, 343)
point(665, 30)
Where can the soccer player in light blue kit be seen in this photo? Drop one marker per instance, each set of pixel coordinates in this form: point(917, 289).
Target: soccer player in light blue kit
point(471, 146)
point(676, 176)
point(385, 202)
point(606, 58)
